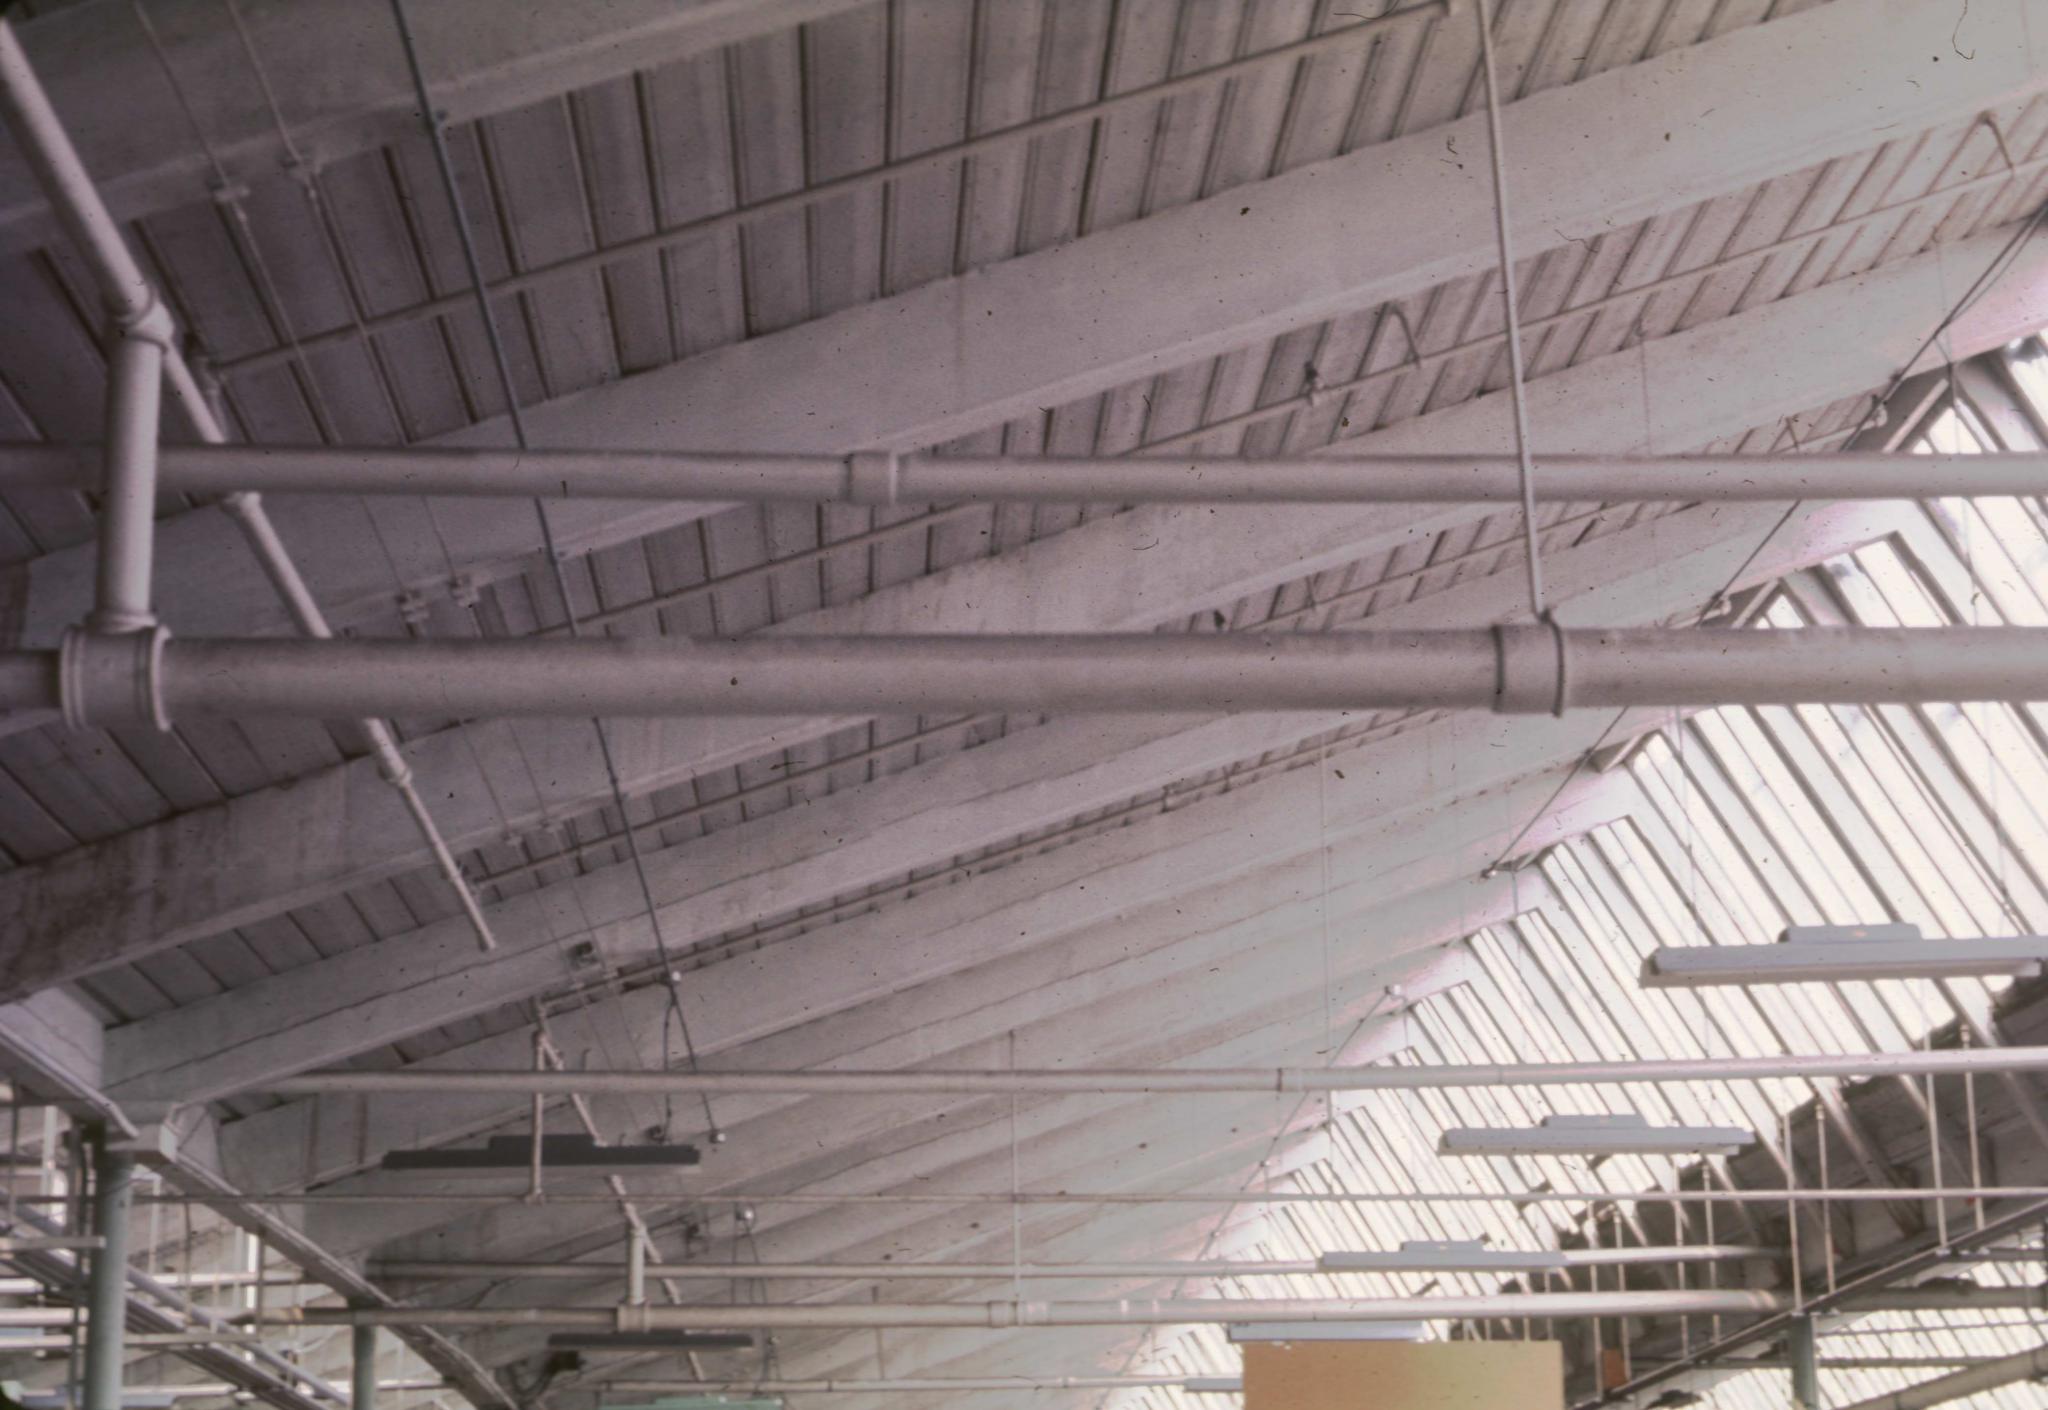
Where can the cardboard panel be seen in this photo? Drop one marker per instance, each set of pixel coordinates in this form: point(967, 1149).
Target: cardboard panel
point(1370, 1375)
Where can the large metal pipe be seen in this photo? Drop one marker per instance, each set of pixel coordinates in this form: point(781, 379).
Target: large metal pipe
point(1990, 1375)
point(1135, 1312)
point(1138, 1268)
point(134, 303)
point(1052, 1082)
point(1511, 670)
point(882, 479)
point(113, 1174)
point(947, 1385)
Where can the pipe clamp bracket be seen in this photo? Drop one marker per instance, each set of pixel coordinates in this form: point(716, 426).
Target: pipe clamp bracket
point(107, 679)
point(872, 477)
point(1532, 664)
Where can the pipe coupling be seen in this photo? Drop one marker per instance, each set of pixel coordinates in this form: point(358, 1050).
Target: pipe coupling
point(109, 679)
point(632, 1317)
point(872, 477)
point(152, 324)
point(1532, 669)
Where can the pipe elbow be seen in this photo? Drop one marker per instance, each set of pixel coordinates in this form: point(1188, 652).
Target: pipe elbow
point(152, 323)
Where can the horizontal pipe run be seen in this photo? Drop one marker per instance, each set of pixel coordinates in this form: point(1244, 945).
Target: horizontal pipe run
point(1884, 1195)
point(950, 1385)
point(1251, 1080)
point(650, 1317)
point(1525, 669)
point(1141, 1268)
point(718, 477)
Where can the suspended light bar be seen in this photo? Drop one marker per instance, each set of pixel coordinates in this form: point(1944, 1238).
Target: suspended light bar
point(651, 1341)
point(1443, 1256)
point(1324, 1331)
point(566, 1152)
point(1619, 1134)
point(1812, 954)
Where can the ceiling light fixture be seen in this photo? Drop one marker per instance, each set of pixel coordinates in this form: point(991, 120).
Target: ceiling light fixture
point(566, 1152)
point(1324, 1331)
point(1619, 1134)
point(651, 1341)
point(1443, 1256)
point(1815, 954)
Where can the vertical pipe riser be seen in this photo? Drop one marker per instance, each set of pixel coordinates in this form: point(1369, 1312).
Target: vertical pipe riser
point(128, 515)
point(107, 1294)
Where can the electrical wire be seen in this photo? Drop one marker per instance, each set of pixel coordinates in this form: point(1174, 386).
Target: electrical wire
point(550, 549)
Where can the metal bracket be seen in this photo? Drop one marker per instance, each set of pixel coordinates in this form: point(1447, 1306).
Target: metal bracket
point(1532, 669)
point(872, 477)
point(106, 679)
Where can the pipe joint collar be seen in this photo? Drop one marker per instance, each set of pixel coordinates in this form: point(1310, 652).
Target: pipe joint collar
point(1532, 669)
point(632, 1317)
point(152, 324)
point(873, 477)
point(107, 679)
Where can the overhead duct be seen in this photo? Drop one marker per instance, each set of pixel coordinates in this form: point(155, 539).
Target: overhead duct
point(883, 479)
point(144, 678)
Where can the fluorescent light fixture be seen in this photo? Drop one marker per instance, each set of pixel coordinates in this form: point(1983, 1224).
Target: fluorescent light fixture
point(566, 1152)
point(1811, 954)
point(651, 1341)
point(1324, 1331)
point(1213, 1385)
point(1623, 1134)
point(1443, 1256)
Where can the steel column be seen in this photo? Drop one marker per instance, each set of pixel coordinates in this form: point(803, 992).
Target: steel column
point(1799, 1344)
point(362, 1386)
point(107, 1294)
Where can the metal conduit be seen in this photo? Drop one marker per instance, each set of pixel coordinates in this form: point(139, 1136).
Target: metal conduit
point(139, 679)
point(1134, 1312)
point(1141, 1268)
point(1942, 1062)
point(884, 479)
point(129, 295)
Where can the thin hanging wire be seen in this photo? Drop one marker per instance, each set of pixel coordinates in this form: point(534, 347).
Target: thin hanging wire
point(1511, 307)
point(474, 266)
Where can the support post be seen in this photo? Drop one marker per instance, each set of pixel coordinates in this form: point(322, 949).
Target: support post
point(1800, 1348)
point(107, 1295)
point(363, 1378)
